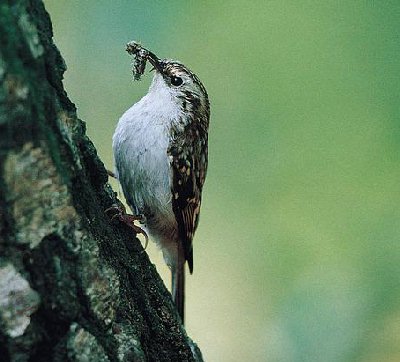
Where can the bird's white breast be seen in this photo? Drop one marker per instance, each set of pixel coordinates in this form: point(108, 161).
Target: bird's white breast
point(140, 144)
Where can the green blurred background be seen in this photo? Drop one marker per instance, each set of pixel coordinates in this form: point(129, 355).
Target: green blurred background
point(297, 255)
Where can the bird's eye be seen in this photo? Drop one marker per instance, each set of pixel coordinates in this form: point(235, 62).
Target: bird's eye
point(176, 81)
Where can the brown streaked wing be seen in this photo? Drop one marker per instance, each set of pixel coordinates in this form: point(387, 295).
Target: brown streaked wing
point(188, 178)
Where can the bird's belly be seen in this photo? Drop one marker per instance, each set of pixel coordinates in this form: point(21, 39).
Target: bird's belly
point(143, 169)
point(140, 145)
point(149, 182)
point(148, 191)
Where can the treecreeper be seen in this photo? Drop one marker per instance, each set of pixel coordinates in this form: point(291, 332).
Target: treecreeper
point(160, 150)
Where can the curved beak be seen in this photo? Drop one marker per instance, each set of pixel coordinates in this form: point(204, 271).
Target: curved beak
point(155, 62)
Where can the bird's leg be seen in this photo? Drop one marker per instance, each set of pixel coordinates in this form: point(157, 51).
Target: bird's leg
point(120, 213)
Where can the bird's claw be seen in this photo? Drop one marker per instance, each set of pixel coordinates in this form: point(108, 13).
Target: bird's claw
point(112, 174)
point(122, 215)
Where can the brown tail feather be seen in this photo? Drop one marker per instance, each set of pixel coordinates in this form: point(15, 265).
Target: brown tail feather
point(178, 289)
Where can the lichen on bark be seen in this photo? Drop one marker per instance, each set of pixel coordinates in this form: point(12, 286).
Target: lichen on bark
point(74, 286)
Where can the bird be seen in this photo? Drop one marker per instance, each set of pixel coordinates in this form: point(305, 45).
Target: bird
point(160, 148)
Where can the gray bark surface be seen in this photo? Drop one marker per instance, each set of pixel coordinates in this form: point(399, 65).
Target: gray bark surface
point(74, 285)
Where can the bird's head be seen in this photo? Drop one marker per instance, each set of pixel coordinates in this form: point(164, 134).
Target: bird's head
point(184, 87)
point(174, 79)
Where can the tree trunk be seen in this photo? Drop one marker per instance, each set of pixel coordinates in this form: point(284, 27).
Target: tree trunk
point(74, 285)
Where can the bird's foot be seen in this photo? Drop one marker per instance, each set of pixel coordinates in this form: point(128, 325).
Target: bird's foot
point(111, 174)
point(119, 212)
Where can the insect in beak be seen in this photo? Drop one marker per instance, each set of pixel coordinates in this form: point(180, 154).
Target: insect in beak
point(141, 56)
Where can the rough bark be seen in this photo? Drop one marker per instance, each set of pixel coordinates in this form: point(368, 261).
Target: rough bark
point(74, 286)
